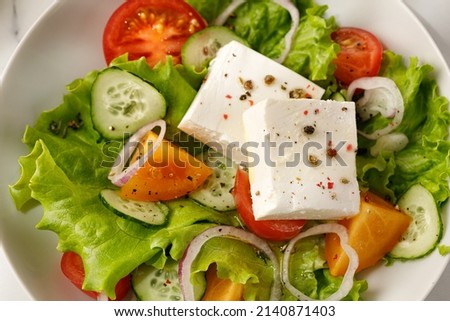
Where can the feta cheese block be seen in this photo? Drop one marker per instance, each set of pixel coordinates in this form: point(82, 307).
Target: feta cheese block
point(302, 159)
point(237, 79)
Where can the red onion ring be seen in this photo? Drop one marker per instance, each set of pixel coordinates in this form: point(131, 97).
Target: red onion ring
point(378, 91)
point(220, 20)
point(347, 281)
point(184, 268)
point(118, 176)
point(295, 16)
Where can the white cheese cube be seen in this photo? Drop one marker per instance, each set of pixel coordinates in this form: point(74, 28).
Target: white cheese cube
point(237, 79)
point(301, 159)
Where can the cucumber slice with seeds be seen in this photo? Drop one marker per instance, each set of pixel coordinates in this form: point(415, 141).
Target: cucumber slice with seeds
point(152, 284)
point(425, 230)
point(122, 103)
point(203, 46)
point(216, 191)
point(145, 213)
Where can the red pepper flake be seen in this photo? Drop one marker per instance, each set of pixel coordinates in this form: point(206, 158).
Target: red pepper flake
point(330, 185)
point(225, 116)
point(316, 111)
point(228, 96)
point(349, 147)
point(305, 112)
point(320, 184)
point(251, 102)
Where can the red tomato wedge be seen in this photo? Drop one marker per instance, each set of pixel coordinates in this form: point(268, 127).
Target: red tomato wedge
point(73, 268)
point(360, 55)
point(272, 230)
point(151, 29)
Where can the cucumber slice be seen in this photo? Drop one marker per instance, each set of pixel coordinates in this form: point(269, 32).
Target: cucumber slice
point(151, 284)
point(145, 213)
point(425, 230)
point(202, 47)
point(122, 103)
point(216, 191)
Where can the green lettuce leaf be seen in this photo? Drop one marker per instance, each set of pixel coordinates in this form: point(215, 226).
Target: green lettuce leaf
point(21, 191)
point(313, 52)
point(263, 24)
point(237, 261)
point(209, 9)
point(426, 159)
point(375, 173)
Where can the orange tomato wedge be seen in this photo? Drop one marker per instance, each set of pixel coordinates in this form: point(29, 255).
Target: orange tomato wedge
point(169, 173)
point(221, 289)
point(373, 232)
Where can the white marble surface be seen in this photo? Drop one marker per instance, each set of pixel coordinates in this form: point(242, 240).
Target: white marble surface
point(17, 16)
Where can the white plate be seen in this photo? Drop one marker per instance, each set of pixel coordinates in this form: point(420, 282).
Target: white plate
point(66, 44)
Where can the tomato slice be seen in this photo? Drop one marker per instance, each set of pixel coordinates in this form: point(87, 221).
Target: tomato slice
point(360, 55)
point(272, 230)
point(73, 268)
point(151, 29)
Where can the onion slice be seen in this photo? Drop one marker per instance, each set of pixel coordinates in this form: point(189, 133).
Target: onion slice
point(184, 268)
point(381, 96)
point(295, 16)
point(393, 142)
point(287, 4)
point(102, 297)
point(220, 20)
point(347, 281)
point(120, 176)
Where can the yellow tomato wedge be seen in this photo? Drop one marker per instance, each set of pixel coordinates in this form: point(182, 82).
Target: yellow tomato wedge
point(221, 289)
point(169, 173)
point(373, 232)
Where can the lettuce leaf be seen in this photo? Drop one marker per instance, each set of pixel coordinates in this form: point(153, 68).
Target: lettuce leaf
point(426, 159)
point(313, 52)
point(237, 261)
point(209, 9)
point(68, 166)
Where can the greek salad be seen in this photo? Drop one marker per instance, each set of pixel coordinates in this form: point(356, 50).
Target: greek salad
point(138, 174)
